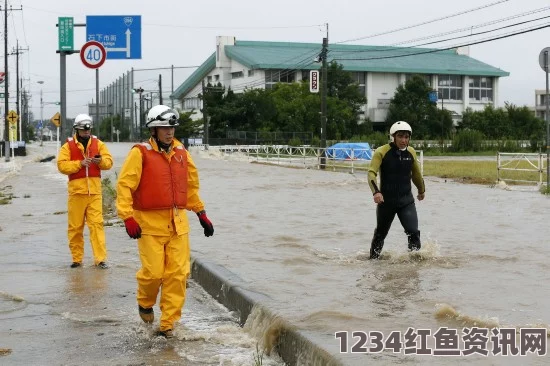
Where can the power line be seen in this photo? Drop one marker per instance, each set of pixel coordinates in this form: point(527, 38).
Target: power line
point(424, 23)
point(447, 48)
point(391, 48)
point(474, 26)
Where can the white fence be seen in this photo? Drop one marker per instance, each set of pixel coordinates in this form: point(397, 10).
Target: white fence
point(512, 161)
point(303, 156)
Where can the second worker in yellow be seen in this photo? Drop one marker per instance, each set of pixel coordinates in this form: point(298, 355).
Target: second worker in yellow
point(157, 182)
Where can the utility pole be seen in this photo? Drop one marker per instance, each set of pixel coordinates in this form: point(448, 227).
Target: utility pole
point(140, 92)
point(324, 89)
point(6, 82)
point(160, 90)
point(16, 52)
point(204, 115)
point(172, 90)
point(546, 62)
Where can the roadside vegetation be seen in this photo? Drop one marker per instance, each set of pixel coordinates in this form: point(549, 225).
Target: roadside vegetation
point(5, 197)
point(109, 201)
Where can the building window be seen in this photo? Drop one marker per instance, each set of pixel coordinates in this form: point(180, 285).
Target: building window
point(273, 77)
point(450, 87)
point(250, 73)
point(216, 78)
point(481, 88)
point(191, 103)
point(359, 79)
point(237, 75)
point(427, 78)
point(209, 79)
point(383, 103)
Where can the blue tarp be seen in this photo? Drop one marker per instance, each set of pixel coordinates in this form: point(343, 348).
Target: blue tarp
point(350, 150)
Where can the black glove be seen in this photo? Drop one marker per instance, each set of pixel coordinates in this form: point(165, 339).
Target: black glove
point(205, 223)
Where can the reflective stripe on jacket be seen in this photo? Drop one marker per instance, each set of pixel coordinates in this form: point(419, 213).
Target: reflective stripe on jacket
point(163, 183)
point(76, 154)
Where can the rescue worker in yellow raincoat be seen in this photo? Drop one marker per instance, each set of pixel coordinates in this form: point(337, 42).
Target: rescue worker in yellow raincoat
point(82, 158)
point(157, 182)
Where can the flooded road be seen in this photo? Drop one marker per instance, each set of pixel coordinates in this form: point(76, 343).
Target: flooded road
point(302, 236)
point(51, 314)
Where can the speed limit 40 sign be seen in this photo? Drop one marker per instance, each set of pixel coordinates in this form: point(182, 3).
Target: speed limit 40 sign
point(93, 54)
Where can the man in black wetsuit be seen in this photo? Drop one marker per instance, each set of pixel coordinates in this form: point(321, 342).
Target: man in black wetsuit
point(397, 165)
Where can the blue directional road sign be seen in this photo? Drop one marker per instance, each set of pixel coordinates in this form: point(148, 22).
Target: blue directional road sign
point(119, 34)
point(432, 96)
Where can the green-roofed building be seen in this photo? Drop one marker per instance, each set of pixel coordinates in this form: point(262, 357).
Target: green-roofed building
point(460, 81)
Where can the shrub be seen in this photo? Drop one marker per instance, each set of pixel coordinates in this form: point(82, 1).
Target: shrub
point(295, 142)
point(467, 140)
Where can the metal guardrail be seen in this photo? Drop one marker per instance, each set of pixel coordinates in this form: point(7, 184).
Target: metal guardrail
point(511, 162)
point(308, 157)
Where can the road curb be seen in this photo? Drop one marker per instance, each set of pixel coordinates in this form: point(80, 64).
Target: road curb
point(293, 345)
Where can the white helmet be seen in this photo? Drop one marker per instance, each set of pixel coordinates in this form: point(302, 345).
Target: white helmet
point(399, 126)
point(162, 116)
point(83, 122)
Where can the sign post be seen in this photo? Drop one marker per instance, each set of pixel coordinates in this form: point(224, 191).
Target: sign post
point(12, 119)
point(56, 120)
point(120, 35)
point(93, 55)
point(544, 61)
point(314, 81)
point(65, 33)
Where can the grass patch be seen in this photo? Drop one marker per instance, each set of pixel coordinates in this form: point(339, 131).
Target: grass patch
point(258, 356)
point(25, 215)
point(479, 172)
point(60, 212)
point(26, 196)
point(5, 197)
point(108, 191)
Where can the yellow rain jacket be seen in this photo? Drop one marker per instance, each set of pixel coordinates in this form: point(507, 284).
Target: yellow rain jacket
point(156, 222)
point(85, 198)
point(90, 185)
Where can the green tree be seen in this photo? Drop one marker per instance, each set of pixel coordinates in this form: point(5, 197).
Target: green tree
point(256, 110)
point(187, 126)
point(213, 101)
point(524, 124)
point(492, 122)
point(287, 108)
point(411, 103)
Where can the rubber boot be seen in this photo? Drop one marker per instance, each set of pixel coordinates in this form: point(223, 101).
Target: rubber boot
point(414, 241)
point(376, 246)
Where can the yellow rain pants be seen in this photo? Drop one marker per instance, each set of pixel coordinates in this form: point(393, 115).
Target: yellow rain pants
point(86, 208)
point(165, 265)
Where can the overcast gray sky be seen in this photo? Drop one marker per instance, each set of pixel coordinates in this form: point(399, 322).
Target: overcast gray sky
point(182, 33)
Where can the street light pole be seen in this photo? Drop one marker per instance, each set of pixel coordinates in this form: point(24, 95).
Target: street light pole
point(41, 114)
point(547, 115)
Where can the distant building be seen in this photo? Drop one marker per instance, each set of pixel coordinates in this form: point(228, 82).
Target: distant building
point(540, 103)
point(460, 81)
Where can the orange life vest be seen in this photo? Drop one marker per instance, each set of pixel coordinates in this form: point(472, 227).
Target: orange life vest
point(163, 183)
point(76, 154)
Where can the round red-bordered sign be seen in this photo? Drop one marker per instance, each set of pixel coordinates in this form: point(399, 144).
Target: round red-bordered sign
point(93, 54)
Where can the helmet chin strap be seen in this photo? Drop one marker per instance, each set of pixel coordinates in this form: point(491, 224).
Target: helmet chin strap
point(82, 139)
point(162, 145)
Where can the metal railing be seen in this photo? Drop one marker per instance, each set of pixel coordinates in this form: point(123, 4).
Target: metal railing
point(520, 162)
point(336, 159)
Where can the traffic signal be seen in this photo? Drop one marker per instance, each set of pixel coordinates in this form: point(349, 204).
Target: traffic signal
point(138, 90)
